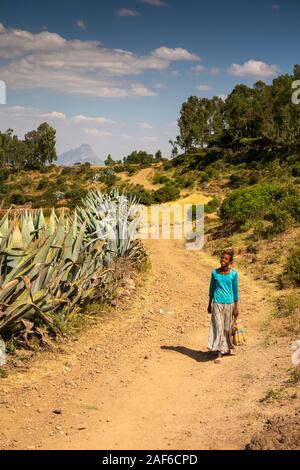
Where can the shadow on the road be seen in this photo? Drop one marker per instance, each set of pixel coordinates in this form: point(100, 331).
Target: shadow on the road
point(199, 356)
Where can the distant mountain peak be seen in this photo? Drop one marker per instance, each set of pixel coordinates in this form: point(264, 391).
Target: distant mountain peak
point(82, 154)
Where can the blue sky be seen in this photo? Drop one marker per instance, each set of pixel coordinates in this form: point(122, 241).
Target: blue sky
point(114, 74)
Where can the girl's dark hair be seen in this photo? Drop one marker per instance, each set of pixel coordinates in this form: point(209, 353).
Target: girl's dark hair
point(230, 253)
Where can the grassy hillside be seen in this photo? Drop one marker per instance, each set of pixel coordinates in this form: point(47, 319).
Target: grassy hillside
point(251, 195)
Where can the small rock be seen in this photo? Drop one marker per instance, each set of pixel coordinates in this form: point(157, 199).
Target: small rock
point(161, 311)
point(81, 428)
point(57, 411)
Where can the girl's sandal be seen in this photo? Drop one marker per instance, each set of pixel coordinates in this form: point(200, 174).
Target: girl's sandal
point(218, 360)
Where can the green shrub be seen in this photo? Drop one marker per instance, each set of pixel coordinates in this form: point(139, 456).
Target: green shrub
point(17, 198)
point(47, 199)
point(42, 184)
point(212, 172)
point(4, 174)
point(61, 180)
point(186, 181)
point(291, 274)
point(281, 221)
point(286, 306)
point(160, 179)
point(279, 204)
point(166, 193)
point(119, 168)
point(75, 196)
point(296, 170)
point(130, 169)
point(67, 170)
point(167, 165)
point(142, 195)
point(212, 205)
point(258, 230)
point(4, 188)
point(204, 177)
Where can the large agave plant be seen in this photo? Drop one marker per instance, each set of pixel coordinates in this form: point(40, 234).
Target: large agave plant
point(55, 266)
point(114, 218)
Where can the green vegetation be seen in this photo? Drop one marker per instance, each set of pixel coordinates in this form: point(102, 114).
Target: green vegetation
point(277, 205)
point(287, 306)
point(291, 274)
point(263, 112)
point(294, 378)
point(166, 193)
point(212, 206)
point(271, 396)
point(160, 179)
point(35, 151)
point(142, 158)
point(50, 271)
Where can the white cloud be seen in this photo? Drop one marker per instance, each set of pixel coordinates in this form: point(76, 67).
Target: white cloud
point(143, 139)
point(203, 87)
point(97, 120)
point(143, 125)
point(34, 113)
point(214, 71)
point(155, 3)
point(138, 89)
point(48, 61)
point(81, 24)
point(199, 68)
point(54, 115)
point(127, 12)
point(95, 132)
point(159, 86)
point(148, 138)
point(254, 69)
point(23, 112)
point(166, 53)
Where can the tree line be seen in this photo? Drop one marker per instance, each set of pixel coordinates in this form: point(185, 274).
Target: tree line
point(262, 111)
point(37, 149)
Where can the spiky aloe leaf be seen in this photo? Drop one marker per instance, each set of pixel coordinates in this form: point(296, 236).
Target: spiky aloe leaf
point(4, 224)
point(52, 224)
point(16, 239)
point(41, 224)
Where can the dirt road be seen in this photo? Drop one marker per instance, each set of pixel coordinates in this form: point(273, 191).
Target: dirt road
point(141, 379)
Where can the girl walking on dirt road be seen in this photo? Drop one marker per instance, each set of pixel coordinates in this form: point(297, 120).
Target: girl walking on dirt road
point(223, 306)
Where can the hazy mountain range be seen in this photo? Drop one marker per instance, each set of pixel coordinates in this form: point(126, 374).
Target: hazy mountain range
point(82, 154)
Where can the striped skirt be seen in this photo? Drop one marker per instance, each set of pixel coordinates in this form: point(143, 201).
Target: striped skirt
point(220, 328)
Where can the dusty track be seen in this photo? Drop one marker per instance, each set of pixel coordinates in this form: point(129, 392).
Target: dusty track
point(139, 381)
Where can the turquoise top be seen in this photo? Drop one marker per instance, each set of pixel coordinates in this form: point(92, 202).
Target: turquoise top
point(223, 288)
